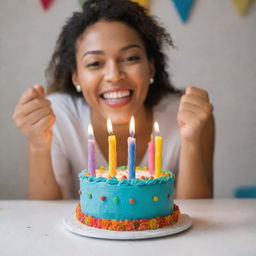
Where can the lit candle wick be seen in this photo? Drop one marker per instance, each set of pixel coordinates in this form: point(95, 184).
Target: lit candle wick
point(112, 149)
point(109, 126)
point(156, 129)
point(90, 132)
point(132, 127)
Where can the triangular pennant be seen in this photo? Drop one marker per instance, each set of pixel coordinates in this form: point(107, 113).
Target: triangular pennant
point(81, 2)
point(46, 4)
point(241, 5)
point(143, 3)
point(183, 7)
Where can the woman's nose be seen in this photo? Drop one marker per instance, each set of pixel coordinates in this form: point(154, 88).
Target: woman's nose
point(113, 73)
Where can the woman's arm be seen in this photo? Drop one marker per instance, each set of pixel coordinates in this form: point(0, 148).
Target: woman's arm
point(34, 117)
point(195, 176)
point(42, 183)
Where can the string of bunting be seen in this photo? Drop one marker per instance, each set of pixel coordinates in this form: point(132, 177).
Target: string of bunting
point(183, 7)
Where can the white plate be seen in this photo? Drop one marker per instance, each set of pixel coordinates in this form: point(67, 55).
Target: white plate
point(74, 226)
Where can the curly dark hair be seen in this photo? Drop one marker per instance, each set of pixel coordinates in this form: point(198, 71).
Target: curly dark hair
point(154, 36)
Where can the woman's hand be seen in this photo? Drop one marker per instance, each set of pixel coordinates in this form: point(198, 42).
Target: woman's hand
point(34, 116)
point(195, 111)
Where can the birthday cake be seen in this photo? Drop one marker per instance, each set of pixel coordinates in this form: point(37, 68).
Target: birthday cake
point(122, 204)
point(127, 198)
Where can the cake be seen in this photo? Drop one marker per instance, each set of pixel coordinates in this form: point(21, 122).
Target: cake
point(122, 204)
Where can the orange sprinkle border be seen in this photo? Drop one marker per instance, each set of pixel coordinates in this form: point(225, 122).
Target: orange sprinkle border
point(128, 225)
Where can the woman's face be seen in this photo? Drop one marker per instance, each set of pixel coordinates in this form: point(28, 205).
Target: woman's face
point(113, 70)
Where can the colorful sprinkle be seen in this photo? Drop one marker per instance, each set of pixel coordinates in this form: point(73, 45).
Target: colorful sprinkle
point(128, 225)
point(132, 201)
point(124, 177)
point(89, 195)
point(102, 198)
point(143, 177)
point(155, 198)
point(116, 200)
point(151, 177)
point(87, 174)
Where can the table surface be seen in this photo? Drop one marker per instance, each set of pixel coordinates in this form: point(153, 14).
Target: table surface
point(220, 227)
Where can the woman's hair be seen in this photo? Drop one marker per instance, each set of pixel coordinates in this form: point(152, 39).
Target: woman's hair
point(154, 36)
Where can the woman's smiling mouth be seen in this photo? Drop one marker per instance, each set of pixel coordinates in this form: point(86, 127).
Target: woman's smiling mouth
point(117, 98)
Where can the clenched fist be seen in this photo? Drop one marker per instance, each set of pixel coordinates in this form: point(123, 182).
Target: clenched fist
point(195, 110)
point(34, 116)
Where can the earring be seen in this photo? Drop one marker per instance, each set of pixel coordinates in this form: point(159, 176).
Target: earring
point(151, 80)
point(78, 88)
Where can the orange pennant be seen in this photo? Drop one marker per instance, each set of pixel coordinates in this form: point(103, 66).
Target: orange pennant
point(144, 3)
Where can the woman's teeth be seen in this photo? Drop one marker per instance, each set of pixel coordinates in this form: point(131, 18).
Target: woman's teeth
point(116, 95)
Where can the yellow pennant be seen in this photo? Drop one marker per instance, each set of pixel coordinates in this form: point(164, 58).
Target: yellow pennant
point(241, 5)
point(144, 3)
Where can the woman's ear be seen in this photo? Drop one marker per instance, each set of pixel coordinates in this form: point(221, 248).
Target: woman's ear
point(152, 69)
point(74, 78)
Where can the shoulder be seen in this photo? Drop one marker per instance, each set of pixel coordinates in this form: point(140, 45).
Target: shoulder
point(59, 98)
point(66, 103)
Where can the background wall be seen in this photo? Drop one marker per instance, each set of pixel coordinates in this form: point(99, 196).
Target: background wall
point(215, 51)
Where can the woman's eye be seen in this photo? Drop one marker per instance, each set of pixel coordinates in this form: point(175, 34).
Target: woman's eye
point(93, 64)
point(131, 58)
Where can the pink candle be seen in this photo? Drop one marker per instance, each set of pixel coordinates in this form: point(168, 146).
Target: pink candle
point(91, 152)
point(151, 156)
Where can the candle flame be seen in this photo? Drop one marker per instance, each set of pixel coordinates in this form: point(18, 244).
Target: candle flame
point(132, 127)
point(109, 126)
point(156, 128)
point(90, 131)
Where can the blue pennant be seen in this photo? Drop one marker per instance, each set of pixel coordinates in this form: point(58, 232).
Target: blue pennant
point(183, 7)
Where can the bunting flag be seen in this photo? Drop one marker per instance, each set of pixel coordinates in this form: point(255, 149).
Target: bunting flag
point(144, 3)
point(183, 7)
point(241, 5)
point(46, 4)
point(81, 2)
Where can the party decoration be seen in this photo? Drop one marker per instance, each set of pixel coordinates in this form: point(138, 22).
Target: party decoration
point(91, 151)
point(81, 2)
point(241, 5)
point(112, 159)
point(158, 151)
point(184, 8)
point(151, 156)
point(132, 150)
point(46, 4)
point(144, 3)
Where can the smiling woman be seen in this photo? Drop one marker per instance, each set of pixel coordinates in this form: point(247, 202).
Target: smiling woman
point(109, 63)
point(118, 71)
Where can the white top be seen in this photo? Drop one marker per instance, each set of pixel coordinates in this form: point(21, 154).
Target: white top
point(69, 147)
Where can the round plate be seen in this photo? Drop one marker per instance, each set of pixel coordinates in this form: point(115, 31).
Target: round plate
point(74, 226)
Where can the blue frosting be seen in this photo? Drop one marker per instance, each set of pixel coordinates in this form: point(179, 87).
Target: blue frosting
point(142, 191)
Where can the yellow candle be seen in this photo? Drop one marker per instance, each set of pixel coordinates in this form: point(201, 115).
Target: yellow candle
point(111, 150)
point(158, 152)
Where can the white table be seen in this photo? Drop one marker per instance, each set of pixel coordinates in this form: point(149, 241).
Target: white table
point(220, 227)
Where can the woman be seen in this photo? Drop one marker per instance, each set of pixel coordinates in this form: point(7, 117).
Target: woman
point(109, 62)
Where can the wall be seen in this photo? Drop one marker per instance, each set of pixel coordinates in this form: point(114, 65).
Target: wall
point(215, 50)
